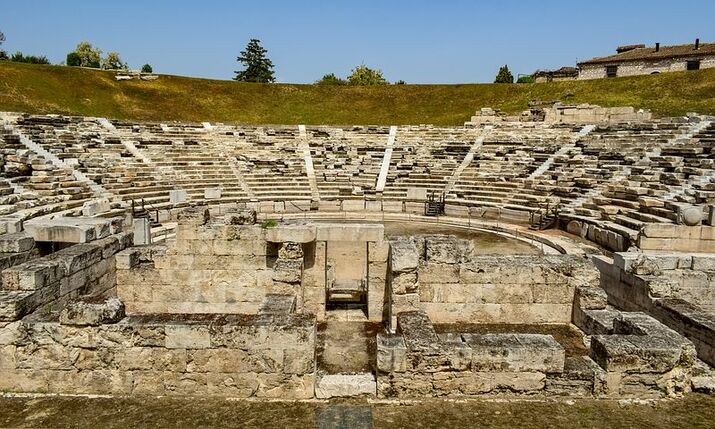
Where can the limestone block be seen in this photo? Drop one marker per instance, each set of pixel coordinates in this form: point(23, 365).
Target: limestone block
point(198, 215)
point(353, 205)
point(438, 273)
point(16, 242)
point(591, 298)
point(142, 231)
point(345, 385)
point(373, 206)
point(419, 194)
point(391, 353)
point(703, 263)
point(392, 206)
point(378, 251)
point(346, 232)
point(291, 250)
point(291, 233)
point(95, 207)
point(212, 193)
point(403, 257)
point(178, 196)
point(403, 283)
point(442, 249)
point(63, 232)
point(82, 313)
point(77, 257)
point(32, 275)
point(187, 337)
point(288, 270)
point(242, 217)
point(515, 353)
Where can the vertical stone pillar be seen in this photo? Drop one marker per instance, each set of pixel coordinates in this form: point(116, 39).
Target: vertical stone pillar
point(314, 279)
point(142, 231)
point(377, 299)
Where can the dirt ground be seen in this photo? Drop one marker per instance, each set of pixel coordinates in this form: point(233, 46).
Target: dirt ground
point(485, 243)
point(692, 411)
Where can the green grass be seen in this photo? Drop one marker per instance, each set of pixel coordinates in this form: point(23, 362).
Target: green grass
point(66, 90)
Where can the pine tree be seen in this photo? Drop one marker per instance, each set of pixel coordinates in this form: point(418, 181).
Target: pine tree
point(504, 75)
point(258, 67)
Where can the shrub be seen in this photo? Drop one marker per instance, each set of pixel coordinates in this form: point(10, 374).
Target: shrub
point(269, 223)
point(525, 79)
point(146, 68)
point(3, 56)
point(400, 82)
point(73, 59)
point(504, 75)
point(18, 57)
point(365, 76)
point(331, 79)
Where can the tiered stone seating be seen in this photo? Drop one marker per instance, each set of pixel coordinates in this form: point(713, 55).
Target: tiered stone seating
point(617, 177)
point(347, 161)
point(497, 176)
point(271, 163)
point(425, 158)
point(34, 187)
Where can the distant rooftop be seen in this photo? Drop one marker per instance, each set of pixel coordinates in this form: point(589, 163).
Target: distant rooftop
point(641, 52)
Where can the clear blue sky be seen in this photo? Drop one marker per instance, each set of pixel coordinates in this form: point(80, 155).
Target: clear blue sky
point(418, 41)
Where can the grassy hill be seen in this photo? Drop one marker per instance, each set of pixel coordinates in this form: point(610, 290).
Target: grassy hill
point(68, 90)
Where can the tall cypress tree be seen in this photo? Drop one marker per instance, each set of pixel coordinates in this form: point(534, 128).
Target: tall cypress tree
point(258, 67)
point(504, 75)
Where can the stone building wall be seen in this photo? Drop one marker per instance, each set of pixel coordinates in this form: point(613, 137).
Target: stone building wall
point(47, 284)
point(439, 275)
point(214, 267)
point(598, 71)
point(264, 356)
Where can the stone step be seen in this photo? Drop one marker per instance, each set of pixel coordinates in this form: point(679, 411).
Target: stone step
point(345, 385)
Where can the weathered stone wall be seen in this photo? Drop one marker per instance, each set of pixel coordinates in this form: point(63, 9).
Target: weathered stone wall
point(264, 356)
point(47, 284)
point(639, 355)
point(214, 267)
point(677, 238)
point(439, 275)
point(677, 289)
point(598, 71)
point(418, 363)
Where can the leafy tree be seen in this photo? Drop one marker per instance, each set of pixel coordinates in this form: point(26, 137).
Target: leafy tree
point(400, 82)
point(89, 56)
point(258, 67)
point(2, 37)
point(146, 68)
point(363, 75)
point(113, 62)
point(73, 59)
point(504, 75)
point(331, 79)
point(3, 56)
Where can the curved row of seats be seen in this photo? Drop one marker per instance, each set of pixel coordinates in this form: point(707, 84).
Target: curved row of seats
point(624, 175)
